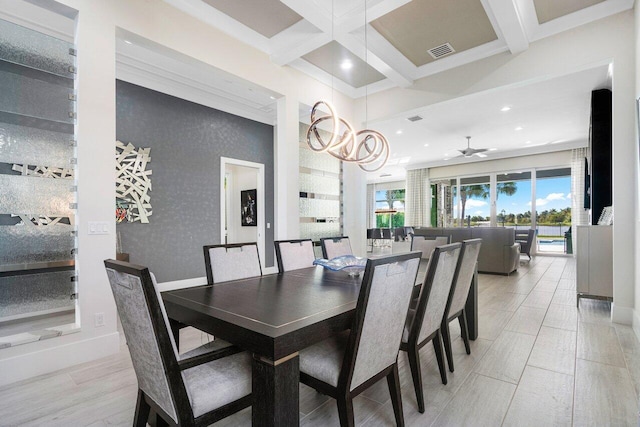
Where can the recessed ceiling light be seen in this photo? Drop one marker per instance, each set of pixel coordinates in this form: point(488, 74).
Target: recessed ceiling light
point(492, 149)
point(505, 108)
point(128, 42)
point(519, 128)
point(426, 145)
point(528, 142)
point(446, 154)
point(346, 64)
point(272, 97)
point(446, 158)
point(399, 132)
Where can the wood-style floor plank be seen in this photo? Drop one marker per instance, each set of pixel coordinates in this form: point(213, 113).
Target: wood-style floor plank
point(507, 357)
point(543, 398)
point(604, 396)
point(555, 350)
point(599, 343)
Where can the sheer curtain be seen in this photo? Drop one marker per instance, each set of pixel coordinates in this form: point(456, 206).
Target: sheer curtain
point(579, 215)
point(417, 198)
point(371, 206)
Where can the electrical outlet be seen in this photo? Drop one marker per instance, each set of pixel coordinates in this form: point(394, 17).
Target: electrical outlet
point(99, 320)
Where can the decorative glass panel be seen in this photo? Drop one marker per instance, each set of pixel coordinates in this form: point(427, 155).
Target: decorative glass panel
point(32, 146)
point(24, 93)
point(38, 182)
point(30, 294)
point(35, 50)
point(320, 181)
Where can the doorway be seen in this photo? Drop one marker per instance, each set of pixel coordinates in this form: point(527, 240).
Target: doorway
point(242, 203)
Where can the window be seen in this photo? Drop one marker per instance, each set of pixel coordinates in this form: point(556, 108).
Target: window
point(390, 208)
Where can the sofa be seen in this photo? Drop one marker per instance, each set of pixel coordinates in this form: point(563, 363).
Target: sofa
point(499, 253)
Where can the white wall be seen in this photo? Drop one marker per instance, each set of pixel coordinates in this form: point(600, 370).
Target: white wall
point(514, 164)
point(636, 315)
point(610, 40)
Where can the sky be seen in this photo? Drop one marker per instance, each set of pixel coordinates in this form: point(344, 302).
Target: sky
point(552, 193)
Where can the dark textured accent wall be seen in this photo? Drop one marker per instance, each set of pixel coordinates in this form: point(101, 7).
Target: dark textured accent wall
point(187, 141)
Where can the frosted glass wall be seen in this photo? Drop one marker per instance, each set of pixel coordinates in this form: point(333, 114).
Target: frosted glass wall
point(320, 181)
point(37, 178)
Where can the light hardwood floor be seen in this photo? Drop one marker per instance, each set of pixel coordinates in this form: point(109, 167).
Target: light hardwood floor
point(538, 361)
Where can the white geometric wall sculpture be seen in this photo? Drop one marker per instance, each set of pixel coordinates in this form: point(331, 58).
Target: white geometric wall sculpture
point(133, 183)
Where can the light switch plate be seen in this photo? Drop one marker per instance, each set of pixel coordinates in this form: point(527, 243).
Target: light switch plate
point(98, 227)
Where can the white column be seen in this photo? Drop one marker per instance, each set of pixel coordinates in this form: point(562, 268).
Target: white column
point(287, 152)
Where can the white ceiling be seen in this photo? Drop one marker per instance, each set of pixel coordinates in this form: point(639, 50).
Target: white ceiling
point(553, 114)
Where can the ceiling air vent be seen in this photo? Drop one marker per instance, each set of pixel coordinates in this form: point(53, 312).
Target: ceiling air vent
point(384, 175)
point(414, 118)
point(440, 51)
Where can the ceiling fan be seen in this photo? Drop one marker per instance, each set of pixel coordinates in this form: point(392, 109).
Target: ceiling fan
point(469, 152)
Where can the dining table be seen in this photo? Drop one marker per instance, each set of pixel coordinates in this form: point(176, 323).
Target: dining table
point(275, 316)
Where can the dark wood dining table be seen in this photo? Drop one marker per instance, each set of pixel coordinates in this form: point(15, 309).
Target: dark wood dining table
point(274, 317)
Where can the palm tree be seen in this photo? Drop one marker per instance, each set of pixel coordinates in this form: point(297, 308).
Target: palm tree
point(483, 191)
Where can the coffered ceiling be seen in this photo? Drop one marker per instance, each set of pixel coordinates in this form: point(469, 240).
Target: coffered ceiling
point(360, 47)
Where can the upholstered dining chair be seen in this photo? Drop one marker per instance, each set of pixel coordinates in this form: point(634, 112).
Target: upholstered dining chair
point(345, 365)
point(423, 323)
point(231, 262)
point(196, 388)
point(426, 244)
point(335, 246)
point(294, 254)
point(458, 296)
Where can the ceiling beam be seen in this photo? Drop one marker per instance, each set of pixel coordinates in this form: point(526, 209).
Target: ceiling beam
point(310, 11)
point(506, 16)
point(296, 41)
point(353, 21)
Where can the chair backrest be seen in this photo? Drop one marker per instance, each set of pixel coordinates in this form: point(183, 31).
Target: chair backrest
point(380, 316)
point(435, 290)
point(426, 244)
point(335, 246)
point(464, 275)
point(231, 262)
point(146, 328)
point(294, 254)
point(525, 238)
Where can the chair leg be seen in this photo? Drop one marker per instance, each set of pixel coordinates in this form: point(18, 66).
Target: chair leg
point(345, 411)
point(393, 380)
point(161, 422)
point(464, 331)
point(414, 364)
point(446, 337)
point(437, 346)
point(142, 411)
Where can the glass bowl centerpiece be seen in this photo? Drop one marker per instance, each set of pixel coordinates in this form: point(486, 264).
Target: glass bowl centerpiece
point(351, 264)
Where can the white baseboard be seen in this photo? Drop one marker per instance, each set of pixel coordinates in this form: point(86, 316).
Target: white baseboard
point(636, 323)
point(25, 366)
point(621, 315)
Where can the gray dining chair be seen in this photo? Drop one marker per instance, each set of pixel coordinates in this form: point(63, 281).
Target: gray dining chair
point(423, 323)
point(458, 296)
point(231, 262)
point(294, 254)
point(345, 365)
point(196, 388)
point(426, 244)
point(335, 246)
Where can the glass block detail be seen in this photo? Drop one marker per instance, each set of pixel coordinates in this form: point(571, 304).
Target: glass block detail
point(22, 144)
point(319, 161)
point(319, 208)
point(35, 195)
point(28, 243)
point(28, 96)
point(317, 230)
point(31, 294)
point(318, 184)
point(26, 47)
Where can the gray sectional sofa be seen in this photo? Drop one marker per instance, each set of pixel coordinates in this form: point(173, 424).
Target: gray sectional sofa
point(499, 253)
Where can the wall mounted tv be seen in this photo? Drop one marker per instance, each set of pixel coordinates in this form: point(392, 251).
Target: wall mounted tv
point(587, 185)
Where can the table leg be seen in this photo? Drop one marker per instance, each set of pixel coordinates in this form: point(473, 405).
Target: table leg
point(471, 307)
point(275, 391)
